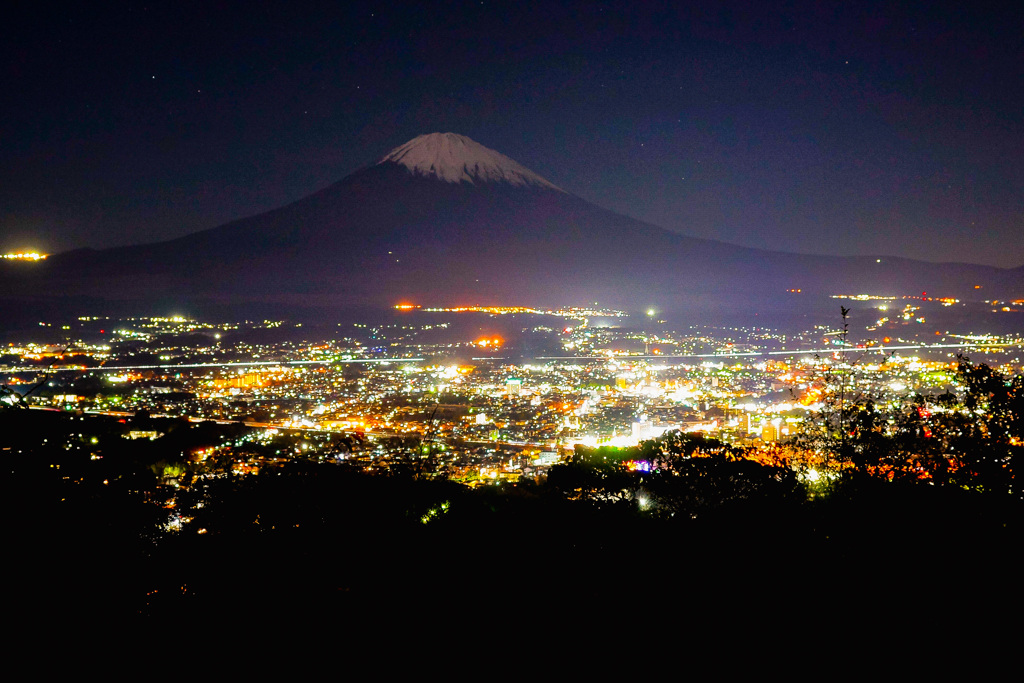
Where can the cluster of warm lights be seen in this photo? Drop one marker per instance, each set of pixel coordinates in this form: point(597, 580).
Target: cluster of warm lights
point(944, 300)
point(571, 312)
point(26, 256)
point(492, 343)
point(495, 310)
point(813, 395)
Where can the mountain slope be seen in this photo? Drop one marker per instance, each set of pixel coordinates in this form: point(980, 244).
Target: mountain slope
point(444, 220)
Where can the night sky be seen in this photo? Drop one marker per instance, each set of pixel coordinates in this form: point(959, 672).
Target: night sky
point(858, 128)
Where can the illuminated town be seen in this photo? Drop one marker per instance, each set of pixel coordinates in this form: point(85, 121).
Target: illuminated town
point(470, 407)
point(24, 256)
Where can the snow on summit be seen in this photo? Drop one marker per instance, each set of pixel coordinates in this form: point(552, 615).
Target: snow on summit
point(456, 159)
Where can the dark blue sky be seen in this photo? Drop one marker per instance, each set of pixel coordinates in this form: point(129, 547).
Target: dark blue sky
point(850, 128)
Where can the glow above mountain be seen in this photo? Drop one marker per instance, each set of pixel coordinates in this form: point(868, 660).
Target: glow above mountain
point(458, 159)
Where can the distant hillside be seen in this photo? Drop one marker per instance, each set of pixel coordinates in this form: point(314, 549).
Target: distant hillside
point(444, 220)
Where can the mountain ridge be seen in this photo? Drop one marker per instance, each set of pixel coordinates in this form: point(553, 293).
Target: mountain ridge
point(392, 232)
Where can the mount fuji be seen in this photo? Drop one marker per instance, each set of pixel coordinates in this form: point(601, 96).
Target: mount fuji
point(443, 220)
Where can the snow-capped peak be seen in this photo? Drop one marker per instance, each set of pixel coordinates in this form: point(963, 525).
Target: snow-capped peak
point(456, 159)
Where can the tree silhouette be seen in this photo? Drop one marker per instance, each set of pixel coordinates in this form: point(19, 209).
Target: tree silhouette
point(971, 437)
